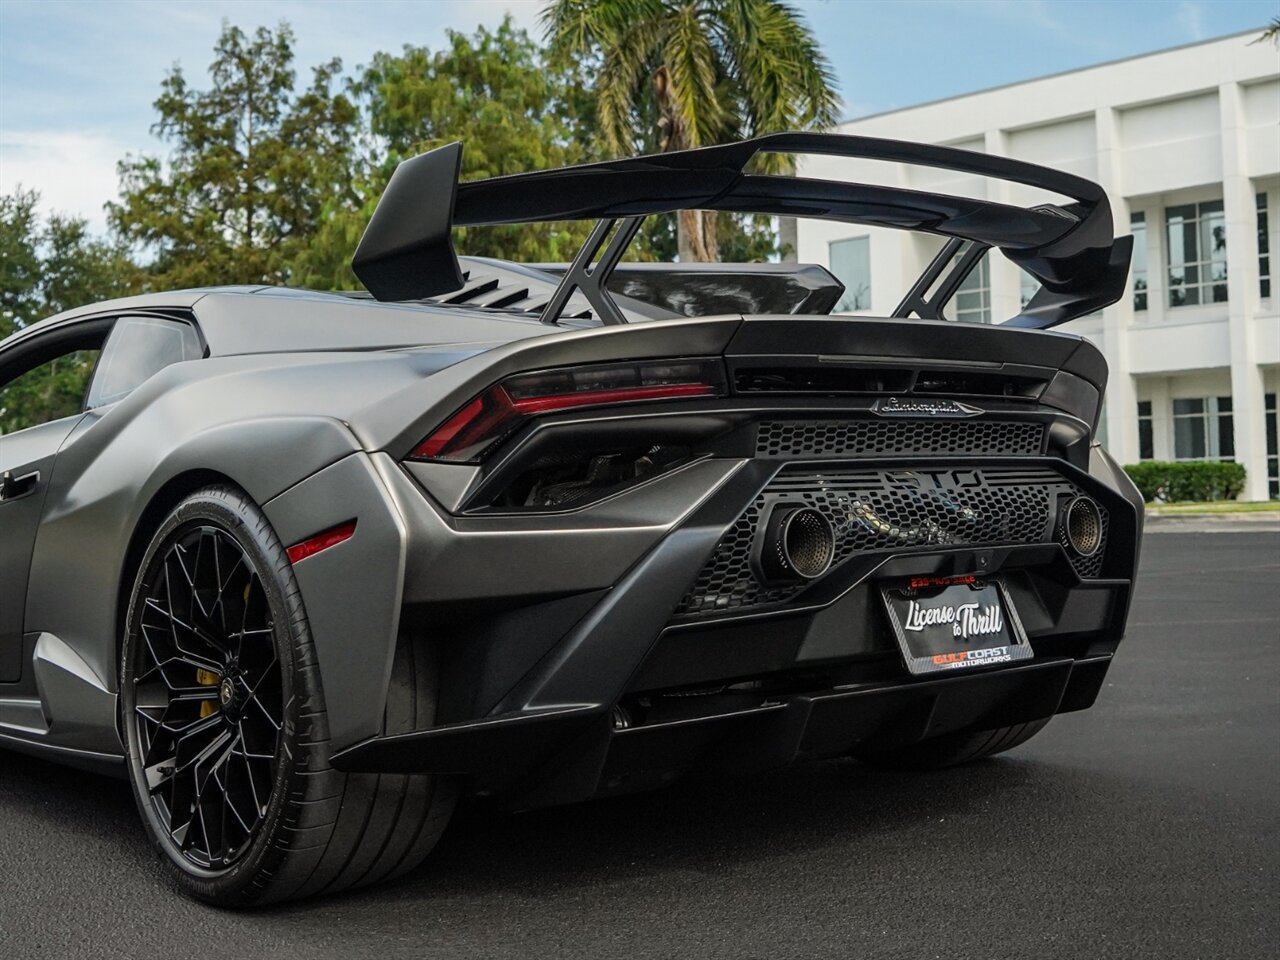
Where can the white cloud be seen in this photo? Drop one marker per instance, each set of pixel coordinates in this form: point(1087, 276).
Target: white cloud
point(74, 172)
point(1190, 19)
point(1041, 19)
point(69, 111)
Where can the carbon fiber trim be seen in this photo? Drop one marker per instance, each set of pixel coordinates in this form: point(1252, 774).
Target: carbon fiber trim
point(888, 510)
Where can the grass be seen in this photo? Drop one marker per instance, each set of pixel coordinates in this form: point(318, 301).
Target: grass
point(1215, 506)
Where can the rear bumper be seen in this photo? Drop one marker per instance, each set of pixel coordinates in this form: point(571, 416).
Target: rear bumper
point(574, 753)
point(544, 625)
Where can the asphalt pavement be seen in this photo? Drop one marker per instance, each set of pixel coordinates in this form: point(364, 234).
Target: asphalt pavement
point(1145, 827)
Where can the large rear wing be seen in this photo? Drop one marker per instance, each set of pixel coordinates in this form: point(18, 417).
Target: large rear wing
point(407, 251)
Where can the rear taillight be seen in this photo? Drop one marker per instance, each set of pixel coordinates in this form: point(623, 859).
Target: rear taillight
point(502, 408)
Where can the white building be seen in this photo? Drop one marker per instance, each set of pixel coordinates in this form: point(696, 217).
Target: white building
point(1186, 143)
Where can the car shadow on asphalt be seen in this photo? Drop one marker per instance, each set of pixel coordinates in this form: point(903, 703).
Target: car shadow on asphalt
point(697, 826)
point(692, 826)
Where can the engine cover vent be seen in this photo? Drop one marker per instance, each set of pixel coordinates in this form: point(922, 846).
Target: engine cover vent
point(866, 439)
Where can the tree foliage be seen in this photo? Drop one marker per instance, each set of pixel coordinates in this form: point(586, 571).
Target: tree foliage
point(19, 260)
point(253, 166)
point(47, 265)
point(513, 111)
point(268, 180)
point(52, 263)
point(675, 74)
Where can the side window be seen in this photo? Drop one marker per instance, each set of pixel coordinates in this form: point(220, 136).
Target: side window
point(139, 348)
point(50, 391)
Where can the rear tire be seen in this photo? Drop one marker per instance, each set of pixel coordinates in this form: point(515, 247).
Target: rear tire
point(950, 749)
point(263, 822)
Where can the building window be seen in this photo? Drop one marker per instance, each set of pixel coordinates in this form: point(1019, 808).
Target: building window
point(851, 263)
point(1202, 429)
point(1273, 448)
point(1028, 287)
point(1138, 227)
point(1264, 250)
point(973, 299)
point(1146, 434)
point(1197, 254)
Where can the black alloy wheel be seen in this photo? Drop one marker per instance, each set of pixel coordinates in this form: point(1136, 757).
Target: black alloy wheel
point(226, 731)
point(208, 695)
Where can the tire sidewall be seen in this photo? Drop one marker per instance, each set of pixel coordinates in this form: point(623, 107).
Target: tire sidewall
point(235, 514)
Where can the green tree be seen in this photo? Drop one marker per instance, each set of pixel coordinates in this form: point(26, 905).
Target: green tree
point(253, 171)
point(675, 74)
point(52, 263)
point(493, 90)
point(47, 265)
point(19, 261)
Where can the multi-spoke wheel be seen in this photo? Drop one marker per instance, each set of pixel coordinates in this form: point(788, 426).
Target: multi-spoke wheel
point(208, 695)
point(231, 774)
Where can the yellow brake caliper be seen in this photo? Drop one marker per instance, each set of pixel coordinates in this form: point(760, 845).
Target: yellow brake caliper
point(207, 678)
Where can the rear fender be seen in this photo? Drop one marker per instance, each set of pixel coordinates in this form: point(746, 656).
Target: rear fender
point(100, 491)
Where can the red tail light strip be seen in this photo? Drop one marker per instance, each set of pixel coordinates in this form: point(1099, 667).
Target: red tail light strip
point(487, 418)
point(535, 405)
point(443, 439)
point(321, 541)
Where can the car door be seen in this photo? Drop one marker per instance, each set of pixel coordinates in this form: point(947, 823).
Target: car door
point(48, 380)
point(43, 380)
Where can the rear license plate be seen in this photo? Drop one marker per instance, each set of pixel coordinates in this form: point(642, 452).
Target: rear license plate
point(952, 623)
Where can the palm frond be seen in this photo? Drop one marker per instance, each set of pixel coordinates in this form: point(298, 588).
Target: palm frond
point(626, 63)
point(623, 35)
point(691, 58)
point(786, 80)
point(697, 72)
point(577, 26)
point(1272, 33)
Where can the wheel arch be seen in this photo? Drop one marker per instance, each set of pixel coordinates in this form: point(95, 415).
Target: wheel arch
point(161, 504)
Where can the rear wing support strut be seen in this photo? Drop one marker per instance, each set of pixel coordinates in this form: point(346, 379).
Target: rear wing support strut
point(927, 307)
point(590, 275)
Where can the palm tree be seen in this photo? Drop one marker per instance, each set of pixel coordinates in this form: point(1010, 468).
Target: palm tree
point(675, 74)
point(1272, 33)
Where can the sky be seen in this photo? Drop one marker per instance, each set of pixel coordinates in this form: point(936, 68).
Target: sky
point(78, 77)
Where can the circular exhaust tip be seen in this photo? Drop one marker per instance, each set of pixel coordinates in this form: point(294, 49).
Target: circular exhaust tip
point(1082, 526)
point(799, 543)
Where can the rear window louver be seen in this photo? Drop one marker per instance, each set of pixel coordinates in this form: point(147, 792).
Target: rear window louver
point(488, 292)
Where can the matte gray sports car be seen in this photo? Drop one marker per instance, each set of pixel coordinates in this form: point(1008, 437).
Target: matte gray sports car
point(308, 566)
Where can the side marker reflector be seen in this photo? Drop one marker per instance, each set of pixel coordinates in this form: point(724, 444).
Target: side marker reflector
point(321, 541)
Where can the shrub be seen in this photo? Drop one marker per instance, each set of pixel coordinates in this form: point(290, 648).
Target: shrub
point(1187, 479)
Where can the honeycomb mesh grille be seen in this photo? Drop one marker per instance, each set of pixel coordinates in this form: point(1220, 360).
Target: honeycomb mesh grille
point(887, 510)
point(878, 438)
